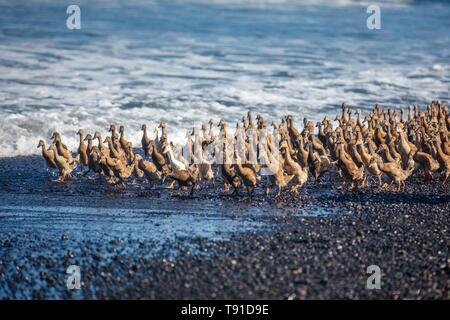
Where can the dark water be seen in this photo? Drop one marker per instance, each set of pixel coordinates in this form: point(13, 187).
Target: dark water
point(186, 61)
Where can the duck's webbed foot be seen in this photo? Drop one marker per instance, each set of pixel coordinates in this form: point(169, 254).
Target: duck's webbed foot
point(171, 185)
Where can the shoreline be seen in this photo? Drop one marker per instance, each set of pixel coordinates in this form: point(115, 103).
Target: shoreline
point(313, 246)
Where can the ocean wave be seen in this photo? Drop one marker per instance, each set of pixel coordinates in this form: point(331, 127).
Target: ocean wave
point(187, 77)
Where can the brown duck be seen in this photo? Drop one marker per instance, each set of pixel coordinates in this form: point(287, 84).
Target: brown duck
point(48, 156)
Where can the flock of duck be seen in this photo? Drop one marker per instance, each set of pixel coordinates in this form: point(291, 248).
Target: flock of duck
point(357, 149)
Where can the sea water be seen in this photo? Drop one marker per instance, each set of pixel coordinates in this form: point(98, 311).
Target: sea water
point(184, 62)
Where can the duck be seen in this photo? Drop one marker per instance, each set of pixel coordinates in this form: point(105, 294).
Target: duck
point(93, 163)
point(443, 158)
point(123, 142)
point(395, 172)
point(370, 166)
point(175, 164)
point(145, 141)
point(157, 158)
point(293, 168)
point(426, 161)
point(61, 147)
point(350, 171)
point(89, 146)
point(137, 172)
point(185, 178)
point(113, 153)
point(48, 156)
point(102, 162)
point(64, 167)
point(149, 169)
point(82, 151)
point(101, 146)
point(279, 178)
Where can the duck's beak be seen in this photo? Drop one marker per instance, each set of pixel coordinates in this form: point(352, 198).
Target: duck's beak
point(156, 130)
point(39, 145)
point(104, 141)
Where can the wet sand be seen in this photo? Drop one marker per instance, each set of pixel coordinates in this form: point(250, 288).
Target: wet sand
point(136, 243)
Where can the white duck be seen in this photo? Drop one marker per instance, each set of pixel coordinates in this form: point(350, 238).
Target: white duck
point(174, 163)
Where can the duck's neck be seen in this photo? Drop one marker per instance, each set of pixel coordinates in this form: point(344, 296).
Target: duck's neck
point(81, 140)
point(145, 134)
point(100, 143)
point(45, 152)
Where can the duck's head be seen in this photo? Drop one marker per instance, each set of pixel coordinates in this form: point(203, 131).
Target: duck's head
point(162, 125)
point(41, 143)
point(107, 139)
point(121, 129)
point(211, 121)
point(80, 132)
point(97, 135)
point(88, 137)
point(144, 127)
point(166, 148)
point(55, 135)
point(52, 147)
point(112, 128)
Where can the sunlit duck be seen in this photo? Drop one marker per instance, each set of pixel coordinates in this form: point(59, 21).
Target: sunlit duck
point(48, 156)
point(145, 142)
point(395, 172)
point(101, 146)
point(121, 170)
point(350, 170)
point(428, 164)
point(112, 129)
point(113, 153)
point(152, 175)
point(319, 164)
point(94, 157)
point(64, 167)
point(82, 151)
point(293, 168)
point(122, 140)
point(185, 178)
point(248, 177)
point(443, 158)
point(175, 164)
point(61, 147)
point(370, 166)
point(279, 178)
point(89, 146)
point(163, 140)
point(107, 170)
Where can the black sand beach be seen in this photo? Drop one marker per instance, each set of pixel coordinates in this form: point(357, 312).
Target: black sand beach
point(132, 243)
